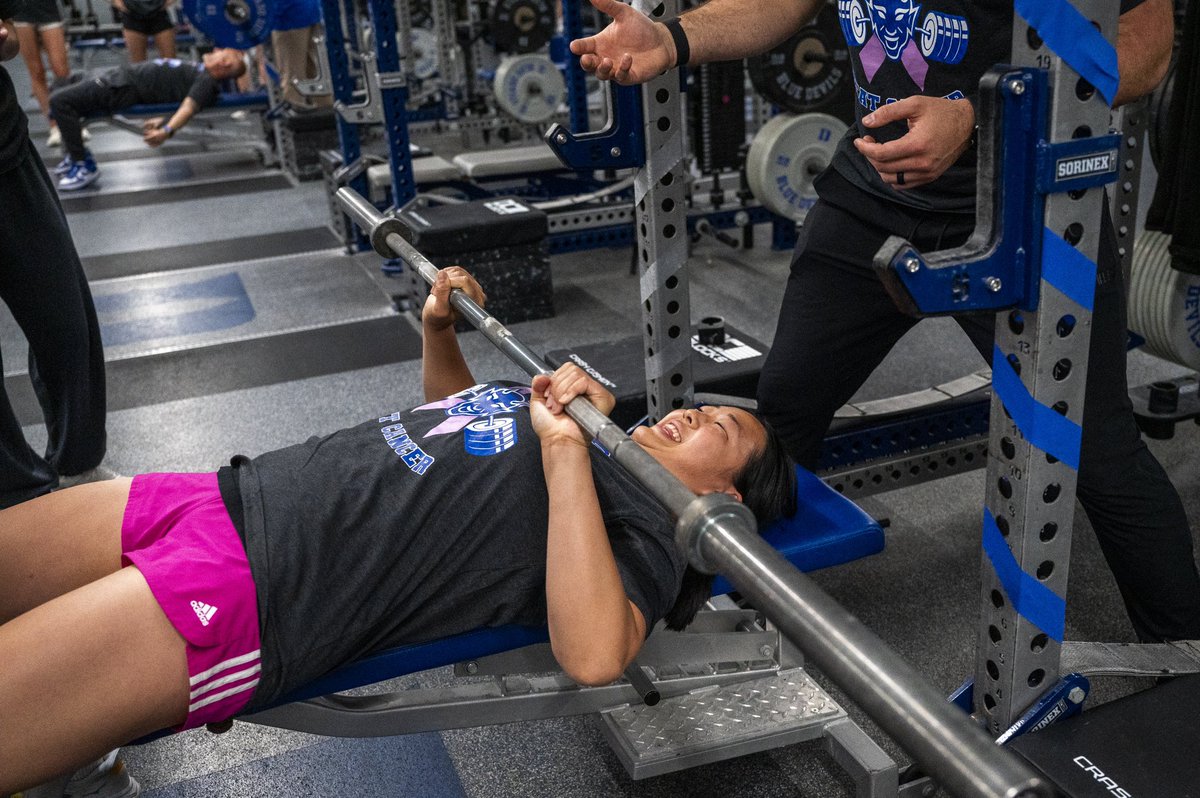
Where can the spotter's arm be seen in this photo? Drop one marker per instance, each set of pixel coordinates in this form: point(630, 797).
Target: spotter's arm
point(1145, 35)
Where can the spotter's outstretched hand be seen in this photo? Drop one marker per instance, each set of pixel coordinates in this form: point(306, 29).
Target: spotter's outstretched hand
point(632, 49)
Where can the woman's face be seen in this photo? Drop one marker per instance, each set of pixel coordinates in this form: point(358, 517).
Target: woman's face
point(706, 447)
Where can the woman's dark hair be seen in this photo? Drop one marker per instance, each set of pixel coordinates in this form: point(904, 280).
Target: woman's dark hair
point(768, 486)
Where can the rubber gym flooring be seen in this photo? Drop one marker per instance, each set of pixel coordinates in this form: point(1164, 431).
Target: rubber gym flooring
point(235, 324)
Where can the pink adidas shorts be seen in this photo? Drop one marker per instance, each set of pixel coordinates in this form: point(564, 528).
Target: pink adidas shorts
point(178, 533)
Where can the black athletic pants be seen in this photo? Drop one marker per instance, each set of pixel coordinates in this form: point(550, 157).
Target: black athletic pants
point(43, 284)
point(70, 105)
point(837, 323)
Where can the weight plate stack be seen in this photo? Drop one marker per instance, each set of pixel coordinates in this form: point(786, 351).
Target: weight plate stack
point(490, 436)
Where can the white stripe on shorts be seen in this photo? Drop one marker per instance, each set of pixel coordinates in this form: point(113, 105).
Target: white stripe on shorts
point(215, 697)
point(233, 662)
point(237, 676)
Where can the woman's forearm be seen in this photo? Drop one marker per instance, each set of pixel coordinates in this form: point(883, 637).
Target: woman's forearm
point(594, 629)
point(444, 370)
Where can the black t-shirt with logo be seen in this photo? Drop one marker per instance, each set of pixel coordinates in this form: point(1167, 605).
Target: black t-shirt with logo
point(901, 48)
point(166, 80)
point(417, 525)
point(937, 48)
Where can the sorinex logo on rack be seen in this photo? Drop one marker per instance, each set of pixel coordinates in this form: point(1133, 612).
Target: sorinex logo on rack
point(1098, 163)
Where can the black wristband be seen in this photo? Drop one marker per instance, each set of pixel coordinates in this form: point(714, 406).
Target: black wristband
point(683, 52)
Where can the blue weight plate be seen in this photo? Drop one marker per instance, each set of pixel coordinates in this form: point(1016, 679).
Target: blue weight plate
point(240, 24)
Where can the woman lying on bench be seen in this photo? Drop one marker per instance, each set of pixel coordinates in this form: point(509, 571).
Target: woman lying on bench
point(484, 508)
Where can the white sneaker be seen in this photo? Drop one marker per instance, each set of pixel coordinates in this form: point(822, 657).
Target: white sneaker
point(55, 138)
point(104, 778)
point(98, 474)
point(81, 175)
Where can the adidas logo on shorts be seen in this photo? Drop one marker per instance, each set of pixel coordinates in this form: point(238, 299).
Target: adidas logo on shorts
point(204, 612)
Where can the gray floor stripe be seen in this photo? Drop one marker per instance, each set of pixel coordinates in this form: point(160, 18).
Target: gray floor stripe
point(77, 203)
point(187, 256)
point(241, 364)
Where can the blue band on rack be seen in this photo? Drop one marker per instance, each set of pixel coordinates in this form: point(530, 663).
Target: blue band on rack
point(1068, 269)
point(1074, 39)
point(1035, 602)
point(1054, 434)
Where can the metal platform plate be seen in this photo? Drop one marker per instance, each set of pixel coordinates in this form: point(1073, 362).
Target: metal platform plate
point(719, 723)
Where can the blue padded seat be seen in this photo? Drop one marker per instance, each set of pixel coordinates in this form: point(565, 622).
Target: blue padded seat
point(828, 529)
point(253, 99)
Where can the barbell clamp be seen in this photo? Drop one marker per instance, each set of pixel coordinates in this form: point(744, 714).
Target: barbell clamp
point(382, 229)
point(703, 515)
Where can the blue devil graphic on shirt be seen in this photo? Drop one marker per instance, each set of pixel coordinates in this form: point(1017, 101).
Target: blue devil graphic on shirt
point(479, 413)
point(888, 30)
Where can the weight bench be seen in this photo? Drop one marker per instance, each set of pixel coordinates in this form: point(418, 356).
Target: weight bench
point(199, 128)
point(253, 100)
point(827, 530)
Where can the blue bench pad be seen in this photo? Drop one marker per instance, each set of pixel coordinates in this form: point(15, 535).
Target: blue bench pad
point(256, 99)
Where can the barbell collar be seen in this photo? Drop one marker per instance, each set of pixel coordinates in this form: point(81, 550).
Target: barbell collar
point(705, 514)
point(389, 225)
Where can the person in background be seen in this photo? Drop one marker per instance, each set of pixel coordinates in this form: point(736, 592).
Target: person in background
point(193, 85)
point(43, 284)
point(40, 29)
point(296, 23)
point(141, 21)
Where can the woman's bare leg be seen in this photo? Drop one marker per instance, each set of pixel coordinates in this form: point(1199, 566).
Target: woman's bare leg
point(56, 543)
point(54, 41)
point(83, 674)
point(135, 45)
point(32, 53)
point(164, 40)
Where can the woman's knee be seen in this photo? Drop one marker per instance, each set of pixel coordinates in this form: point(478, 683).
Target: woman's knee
point(37, 70)
point(60, 64)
